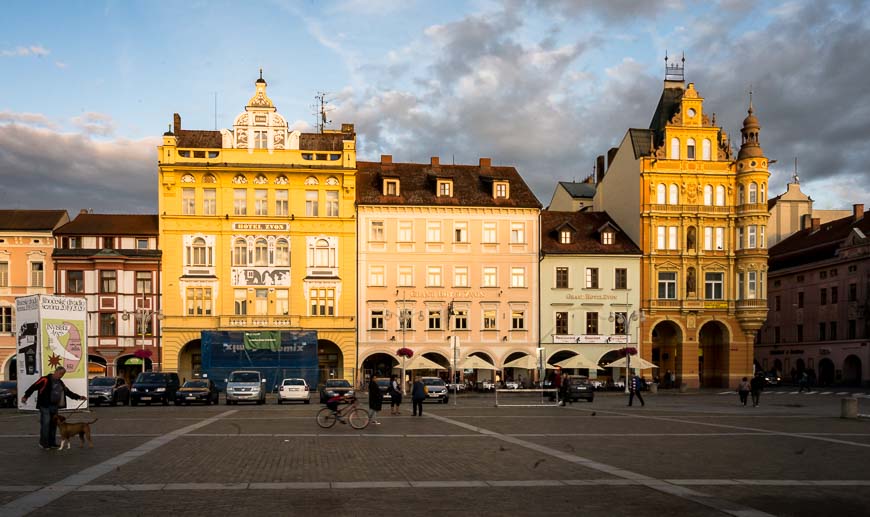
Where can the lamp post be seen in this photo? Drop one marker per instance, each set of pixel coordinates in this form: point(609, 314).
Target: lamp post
point(625, 320)
point(142, 317)
point(541, 366)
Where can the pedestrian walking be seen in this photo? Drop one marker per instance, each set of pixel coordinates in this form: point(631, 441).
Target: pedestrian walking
point(635, 386)
point(418, 395)
point(395, 395)
point(804, 382)
point(563, 389)
point(376, 400)
point(51, 397)
point(743, 390)
point(756, 386)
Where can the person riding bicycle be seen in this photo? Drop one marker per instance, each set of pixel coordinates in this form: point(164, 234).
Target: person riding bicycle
point(333, 403)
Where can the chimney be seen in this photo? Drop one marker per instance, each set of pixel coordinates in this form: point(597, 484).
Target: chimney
point(347, 128)
point(858, 211)
point(434, 162)
point(386, 159)
point(815, 223)
point(806, 221)
point(176, 123)
point(83, 211)
point(599, 169)
point(611, 153)
point(485, 164)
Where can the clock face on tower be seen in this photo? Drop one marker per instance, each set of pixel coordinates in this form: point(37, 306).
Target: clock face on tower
point(691, 113)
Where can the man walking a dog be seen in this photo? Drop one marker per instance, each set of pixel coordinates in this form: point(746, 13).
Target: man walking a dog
point(51, 396)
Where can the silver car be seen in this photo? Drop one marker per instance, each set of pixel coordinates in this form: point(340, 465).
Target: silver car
point(437, 389)
point(246, 386)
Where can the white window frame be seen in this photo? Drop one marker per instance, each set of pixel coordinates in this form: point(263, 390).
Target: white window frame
point(460, 276)
point(518, 233)
point(377, 276)
point(490, 233)
point(433, 276)
point(518, 277)
point(489, 278)
point(405, 231)
point(282, 199)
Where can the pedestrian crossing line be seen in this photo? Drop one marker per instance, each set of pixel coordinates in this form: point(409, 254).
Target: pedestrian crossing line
point(780, 392)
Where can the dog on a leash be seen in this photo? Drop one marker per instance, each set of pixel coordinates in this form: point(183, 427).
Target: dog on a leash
point(68, 430)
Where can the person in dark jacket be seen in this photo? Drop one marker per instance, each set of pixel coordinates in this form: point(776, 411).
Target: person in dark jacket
point(376, 400)
point(756, 385)
point(635, 386)
point(418, 395)
point(51, 396)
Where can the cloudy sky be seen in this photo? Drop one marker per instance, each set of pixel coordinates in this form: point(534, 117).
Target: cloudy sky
point(544, 85)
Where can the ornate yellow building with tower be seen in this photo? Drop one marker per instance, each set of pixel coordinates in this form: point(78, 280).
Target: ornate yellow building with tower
point(257, 227)
point(702, 216)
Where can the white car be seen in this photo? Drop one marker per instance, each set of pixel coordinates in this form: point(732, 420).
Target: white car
point(294, 389)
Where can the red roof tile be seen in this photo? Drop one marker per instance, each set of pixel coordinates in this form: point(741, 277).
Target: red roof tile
point(586, 236)
point(11, 220)
point(808, 245)
point(111, 224)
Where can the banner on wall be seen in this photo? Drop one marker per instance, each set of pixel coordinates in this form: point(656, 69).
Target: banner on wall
point(51, 333)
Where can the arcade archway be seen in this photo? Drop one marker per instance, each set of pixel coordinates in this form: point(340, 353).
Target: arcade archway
point(128, 367)
point(378, 365)
point(826, 372)
point(11, 370)
point(190, 360)
point(713, 355)
point(852, 371)
point(97, 366)
point(330, 360)
point(667, 338)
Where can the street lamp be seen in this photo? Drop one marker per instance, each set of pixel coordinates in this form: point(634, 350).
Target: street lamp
point(623, 319)
point(143, 317)
point(541, 366)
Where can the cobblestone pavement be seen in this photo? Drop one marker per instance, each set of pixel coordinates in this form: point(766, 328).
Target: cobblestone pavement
point(684, 454)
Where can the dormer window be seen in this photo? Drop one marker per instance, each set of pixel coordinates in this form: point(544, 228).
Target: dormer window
point(500, 190)
point(565, 236)
point(391, 187)
point(445, 188)
point(607, 237)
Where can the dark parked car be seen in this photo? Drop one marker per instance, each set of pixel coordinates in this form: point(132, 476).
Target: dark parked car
point(772, 379)
point(9, 394)
point(580, 388)
point(198, 391)
point(334, 387)
point(108, 390)
point(154, 387)
point(384, 385)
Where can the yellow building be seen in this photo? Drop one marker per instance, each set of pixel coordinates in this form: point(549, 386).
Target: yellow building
point(701, 230)
point(258, 233)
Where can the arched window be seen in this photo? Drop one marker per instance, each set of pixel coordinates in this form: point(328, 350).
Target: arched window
point(753, 193)
point(661, 194)
point(762, 198)
point(674, 195)
point(720, 195)
point(261, 253)
point(706, 154)
point(675, 149)
point(708, 195)
point(282, 253)
point(324, 256)
point(690, 149)
point(200, 253)
point(741, 195)
point(240, 253)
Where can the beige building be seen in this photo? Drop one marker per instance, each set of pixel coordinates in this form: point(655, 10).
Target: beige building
point(793, 211)
point(26, 243)
point(447, 254)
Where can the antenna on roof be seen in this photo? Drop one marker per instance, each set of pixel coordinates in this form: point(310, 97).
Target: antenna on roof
point(676, 71)
point(320, 111)
point(215, 111)
point(794, 177)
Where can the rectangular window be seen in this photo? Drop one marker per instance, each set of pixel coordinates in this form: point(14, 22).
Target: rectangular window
point(460, 276)
point(406, 276)
point(853, 328)
point(460, 319)
point(391, 188)
point(406, 319)
point(752, 285)
point(376, 276)
point(282, 302)
point(667, 285)
point(331, 203)
point(322, 302)
point(489, 319)
point(592, 323)
point(835, 295)
point(713, 286)
point(188, 201)
point(518, 277)
point(489, 233)
point(823, 296)
point(199, 301)
point(800, 300)
point(490, 277)
point(565, 237)
point(433, 231)
point(37, 274)
point(800, 333)
point(261, 301)
point(434, 319)
point(561, 323)
point(741, 286)
point(661, 239)
point(672, 237)
point(6, 319)
point(377, 319)
point(752, 244)
point(240, 201)
point(108, 281)
point(591, 278)
point(708, 238)
point(4, 274)
point(141, 244)
point(209, 201)
point(144, 324)
point(406, 231)
point(777, 306)
point(261, 202)
point(281, 202)
point(833, 329)
point(740, 238)
point(619, 322)
point(377, 231)
point(460, 232)
point(311, 203)
point(444, 188)
point(561, 278)
point(75, 282)
point(776, 335)
point(518, 233)
point(518, 320)
point(433, 276)
point(620, 278)
point(501, 190)
point(852, 296)
point(720, 238)
point(821, 331)
point(260, 139)
point(108, 324)
point(143, 282)
point(240, 302)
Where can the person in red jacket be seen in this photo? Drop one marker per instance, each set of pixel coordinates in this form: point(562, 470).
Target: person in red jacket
point(51, 396)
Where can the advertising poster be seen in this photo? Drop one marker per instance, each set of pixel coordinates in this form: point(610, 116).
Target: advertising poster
point(57, 335)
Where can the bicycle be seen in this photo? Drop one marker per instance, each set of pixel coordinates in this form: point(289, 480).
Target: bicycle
point(346, 411)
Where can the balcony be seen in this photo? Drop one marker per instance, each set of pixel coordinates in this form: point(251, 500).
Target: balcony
point(752, 304)
point(252, 321)
point(751, 207)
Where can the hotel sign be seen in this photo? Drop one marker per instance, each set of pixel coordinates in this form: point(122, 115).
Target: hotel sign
point(590, 338)
point(262, 227)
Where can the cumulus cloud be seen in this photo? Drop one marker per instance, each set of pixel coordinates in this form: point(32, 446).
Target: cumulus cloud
point(32, 50)
point(27, 119)
point(45, 169)
point(94, 124)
